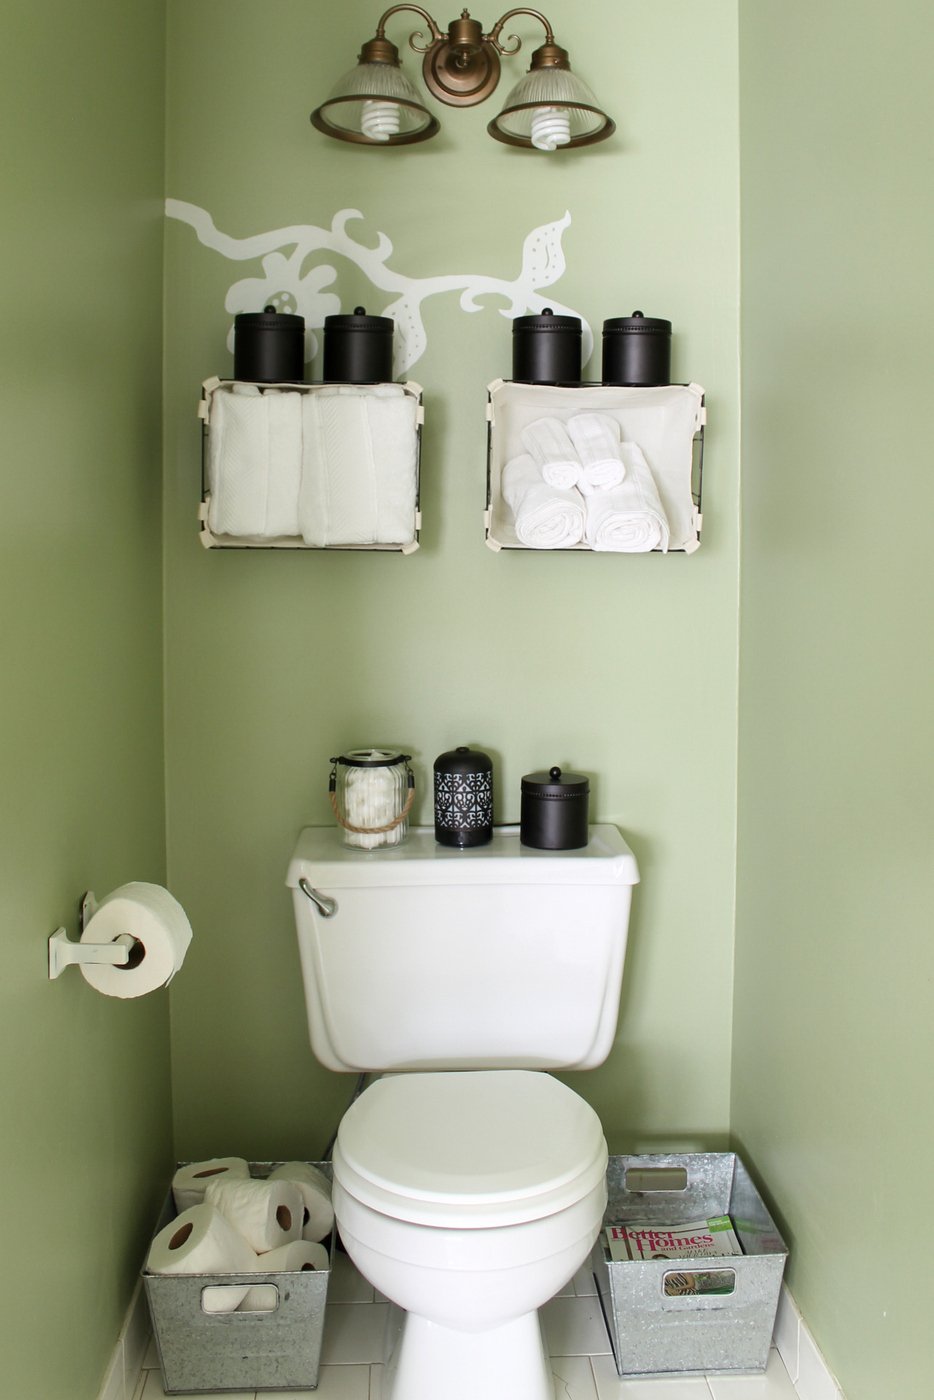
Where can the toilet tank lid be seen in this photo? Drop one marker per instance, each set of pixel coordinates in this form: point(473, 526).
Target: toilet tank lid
point(470, 1149)
point(322, 858)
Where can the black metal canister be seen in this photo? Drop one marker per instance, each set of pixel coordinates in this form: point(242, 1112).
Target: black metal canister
point(463, 797)
point(269, 347)
point(546, 349)
point(636, 350)
point(553, 815)
point(358, 348)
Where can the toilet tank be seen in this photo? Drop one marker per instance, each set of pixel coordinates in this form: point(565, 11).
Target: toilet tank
point(496, 956)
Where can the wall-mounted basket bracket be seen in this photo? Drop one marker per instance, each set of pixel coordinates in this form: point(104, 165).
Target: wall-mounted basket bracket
point(63, 952)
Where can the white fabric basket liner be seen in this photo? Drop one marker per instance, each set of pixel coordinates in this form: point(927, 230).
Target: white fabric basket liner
point(214, 539)
point(666, 421)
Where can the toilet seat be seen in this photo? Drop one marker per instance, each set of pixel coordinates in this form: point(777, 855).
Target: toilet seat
point(469, 1150)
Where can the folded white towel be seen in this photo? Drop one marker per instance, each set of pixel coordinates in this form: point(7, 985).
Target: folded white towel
point(595, 437)
point(551, 449)
point(358, 478)
point(629, 518)
point(254, 462)
point(546, 517)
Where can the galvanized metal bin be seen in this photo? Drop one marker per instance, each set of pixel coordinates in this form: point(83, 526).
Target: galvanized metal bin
point(659, 1313)
point(278, 1349)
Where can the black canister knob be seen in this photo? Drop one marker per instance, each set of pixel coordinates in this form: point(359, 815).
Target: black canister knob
point(636, 350)
point(463, 797)
point(554, 810)
point(546, 349)
point(358, 348)
point(269, 347)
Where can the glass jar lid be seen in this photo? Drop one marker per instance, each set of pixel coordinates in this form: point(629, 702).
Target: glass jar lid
point(371, 758)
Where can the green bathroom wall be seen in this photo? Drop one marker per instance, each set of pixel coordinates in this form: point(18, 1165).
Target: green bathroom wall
point(624, 668)
point(84, 1082)
point(833, 1043)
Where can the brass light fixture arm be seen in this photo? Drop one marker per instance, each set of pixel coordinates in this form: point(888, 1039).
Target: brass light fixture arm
point(494, 35)
point(435, 32)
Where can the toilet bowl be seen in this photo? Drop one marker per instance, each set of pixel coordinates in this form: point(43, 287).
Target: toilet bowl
point(469, 1199)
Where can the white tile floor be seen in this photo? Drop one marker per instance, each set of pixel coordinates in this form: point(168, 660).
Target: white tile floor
point(581, 1359)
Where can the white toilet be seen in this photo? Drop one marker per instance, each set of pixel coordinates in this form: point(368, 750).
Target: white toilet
point(469, 1188)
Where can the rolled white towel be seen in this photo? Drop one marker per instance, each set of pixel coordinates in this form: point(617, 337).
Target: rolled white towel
point(318, 1218)
point(595, 437)
point(628, 519)
point(662, 419)
point(546, 517)
point(551, 449)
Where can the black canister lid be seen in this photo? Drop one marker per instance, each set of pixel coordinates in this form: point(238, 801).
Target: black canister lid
point(553, 782)
point(360, 321)
point(463, 759)
point(269, 319)
point(636, 324)
point(547, 321)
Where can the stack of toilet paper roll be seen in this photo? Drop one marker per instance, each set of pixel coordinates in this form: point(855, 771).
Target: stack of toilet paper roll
point(231, 1223)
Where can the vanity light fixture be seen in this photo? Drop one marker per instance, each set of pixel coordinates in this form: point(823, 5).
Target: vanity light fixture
point(375, 104)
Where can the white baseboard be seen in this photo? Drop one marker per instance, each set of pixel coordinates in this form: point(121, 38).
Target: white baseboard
point(126, 1363)
point(809, 1373)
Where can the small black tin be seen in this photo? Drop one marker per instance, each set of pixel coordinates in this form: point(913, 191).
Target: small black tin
point(269, 347)
point(636, 350)
point(463, 797)
point(358, 348)
point(553, 814)
point(546, 349)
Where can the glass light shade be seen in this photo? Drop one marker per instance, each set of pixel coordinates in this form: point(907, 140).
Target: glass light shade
point(550, 108)
point(375, 103)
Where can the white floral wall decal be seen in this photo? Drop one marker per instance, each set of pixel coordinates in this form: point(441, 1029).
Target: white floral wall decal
point(283, 252)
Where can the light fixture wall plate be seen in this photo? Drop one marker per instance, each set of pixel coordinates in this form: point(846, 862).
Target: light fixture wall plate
point(462, 69)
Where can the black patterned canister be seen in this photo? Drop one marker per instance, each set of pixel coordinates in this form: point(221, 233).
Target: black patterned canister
point(463, 797)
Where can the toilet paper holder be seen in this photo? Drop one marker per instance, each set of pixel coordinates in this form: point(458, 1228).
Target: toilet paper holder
point(63, 952)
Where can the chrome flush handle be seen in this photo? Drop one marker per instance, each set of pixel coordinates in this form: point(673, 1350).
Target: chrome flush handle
point(325, 906)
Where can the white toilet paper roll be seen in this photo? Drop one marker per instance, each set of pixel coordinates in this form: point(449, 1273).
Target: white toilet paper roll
point(318, 1215)
point(159, 925)
point(191, 1181)
point(267, 1213)
point(297, 1257)
point(201, 1241)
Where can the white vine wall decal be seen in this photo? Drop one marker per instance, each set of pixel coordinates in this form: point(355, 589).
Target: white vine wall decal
point(283, 252)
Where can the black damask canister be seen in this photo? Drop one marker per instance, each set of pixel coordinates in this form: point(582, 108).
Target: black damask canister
point(463, 797)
